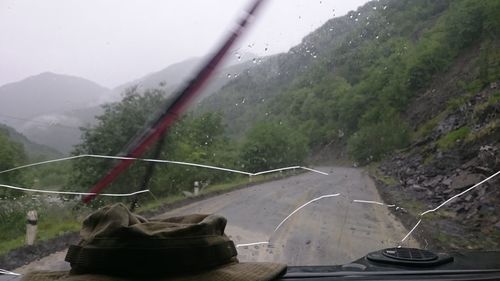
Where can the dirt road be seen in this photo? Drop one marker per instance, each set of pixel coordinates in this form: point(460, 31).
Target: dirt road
point(329, 231)
point(332, 230)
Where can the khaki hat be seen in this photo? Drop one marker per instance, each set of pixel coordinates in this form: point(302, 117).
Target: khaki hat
point(119, 245)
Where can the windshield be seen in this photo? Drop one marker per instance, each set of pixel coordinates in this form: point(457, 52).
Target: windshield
point(322, 130)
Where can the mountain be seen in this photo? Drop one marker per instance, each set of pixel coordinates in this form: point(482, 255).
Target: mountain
point(173, 76)
point(47, 93)
point(44, 107)
point(169, 77)
point(49, 108)
point(245, 98)
point(34, 151)
point(356, 72)
point(60, 131)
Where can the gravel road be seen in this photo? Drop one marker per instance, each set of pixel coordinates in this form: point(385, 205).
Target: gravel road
point(333, 230)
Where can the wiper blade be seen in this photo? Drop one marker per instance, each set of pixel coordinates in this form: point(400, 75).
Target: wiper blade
point(174, 109)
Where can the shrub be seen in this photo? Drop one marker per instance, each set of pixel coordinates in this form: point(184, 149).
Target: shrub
point(371, 143)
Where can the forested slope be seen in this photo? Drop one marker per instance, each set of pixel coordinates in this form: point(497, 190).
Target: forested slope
point(355, 80)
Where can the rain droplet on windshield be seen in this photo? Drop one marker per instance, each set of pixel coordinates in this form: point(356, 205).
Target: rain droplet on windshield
point(228, 75)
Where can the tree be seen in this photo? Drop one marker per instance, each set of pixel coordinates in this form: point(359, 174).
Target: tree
point(372, 142)
point(11, 155)
point(271, 145)
point(116, 126)
point(197, 139)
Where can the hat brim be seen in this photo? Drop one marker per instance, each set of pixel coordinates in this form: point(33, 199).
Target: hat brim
point(248, 271)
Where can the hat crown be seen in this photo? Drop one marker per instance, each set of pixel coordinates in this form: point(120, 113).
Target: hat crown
point(116, 221)
point(116, 241)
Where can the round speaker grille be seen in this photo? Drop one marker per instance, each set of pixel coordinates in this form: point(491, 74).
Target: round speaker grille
point(409, 254)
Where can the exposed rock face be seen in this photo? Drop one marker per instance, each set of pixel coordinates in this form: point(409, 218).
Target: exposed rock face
point(430, 173)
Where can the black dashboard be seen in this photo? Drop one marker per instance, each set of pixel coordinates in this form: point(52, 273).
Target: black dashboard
point(397, 264)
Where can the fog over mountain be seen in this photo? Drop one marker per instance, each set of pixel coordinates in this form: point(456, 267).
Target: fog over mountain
point(49, 108)
point(47, 93)
point(34, 151)
point(173, 76)
point(42, 105)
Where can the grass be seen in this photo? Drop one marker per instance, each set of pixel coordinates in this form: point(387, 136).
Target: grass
point(483, 132)
point(430, 125)
point(449, 140)
point(222, 187)
point(8, 245)
point(493, 99)
point(377, 174)
point(49, 226)
point(55, 228)
point(455, 103)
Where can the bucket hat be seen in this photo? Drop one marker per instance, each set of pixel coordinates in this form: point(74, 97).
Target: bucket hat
point(119, 245)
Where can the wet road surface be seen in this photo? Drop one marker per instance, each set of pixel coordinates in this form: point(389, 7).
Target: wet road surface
point(333, 230)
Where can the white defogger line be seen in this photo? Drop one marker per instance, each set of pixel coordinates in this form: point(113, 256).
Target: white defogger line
point(137, 159)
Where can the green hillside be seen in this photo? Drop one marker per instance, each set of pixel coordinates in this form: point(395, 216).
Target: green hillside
point(352, 80)
point(33, 150)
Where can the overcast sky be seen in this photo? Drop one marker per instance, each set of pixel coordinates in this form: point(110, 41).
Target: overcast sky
point(115, 41)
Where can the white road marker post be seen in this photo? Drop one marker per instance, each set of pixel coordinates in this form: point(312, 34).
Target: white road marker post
point(31, 227)
point(196, 190)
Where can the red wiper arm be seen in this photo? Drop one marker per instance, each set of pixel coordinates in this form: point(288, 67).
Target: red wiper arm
point(174, 109)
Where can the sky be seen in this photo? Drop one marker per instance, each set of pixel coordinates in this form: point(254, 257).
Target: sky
point(112, 42)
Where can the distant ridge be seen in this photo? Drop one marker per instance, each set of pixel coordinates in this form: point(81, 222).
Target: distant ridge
point(33, 150)
point(39, 106)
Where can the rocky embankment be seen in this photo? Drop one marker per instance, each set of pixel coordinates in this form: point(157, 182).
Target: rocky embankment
point(460, 147)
